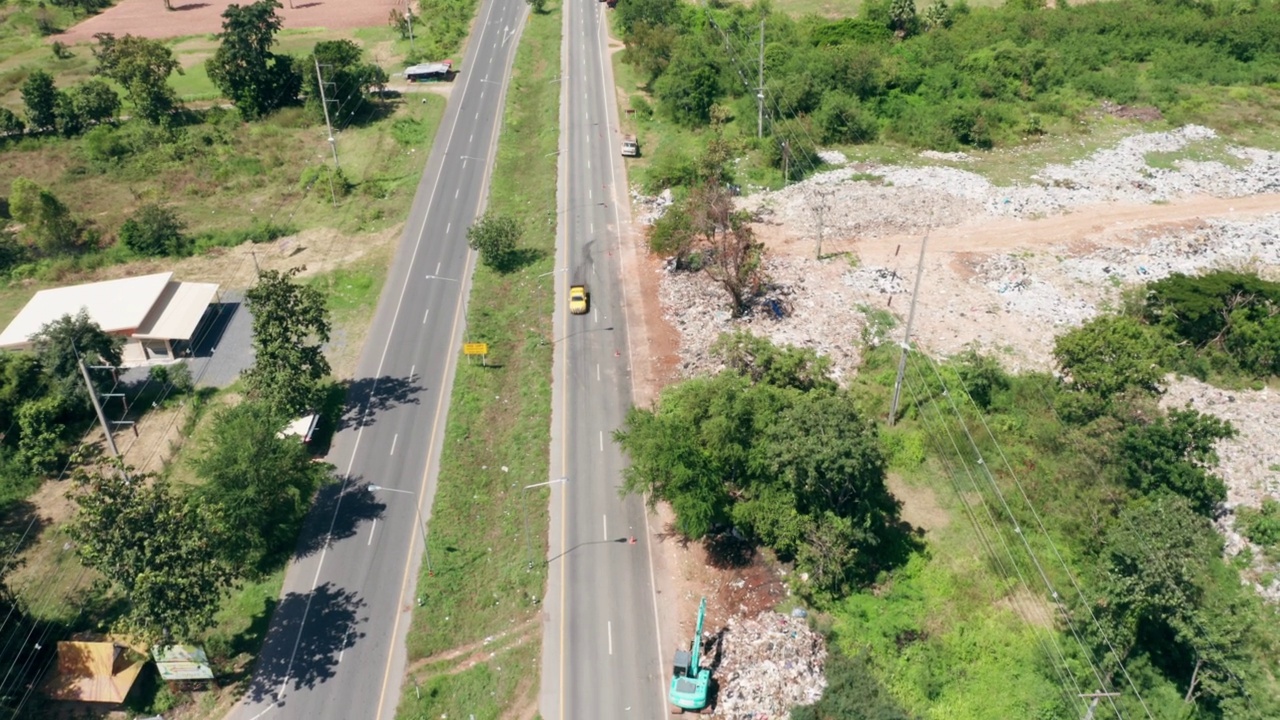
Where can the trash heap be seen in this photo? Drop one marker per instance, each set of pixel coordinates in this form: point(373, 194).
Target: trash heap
point(768, 665)
point(868, 200)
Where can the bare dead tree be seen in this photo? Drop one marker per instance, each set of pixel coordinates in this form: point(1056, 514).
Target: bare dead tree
point(733, 260)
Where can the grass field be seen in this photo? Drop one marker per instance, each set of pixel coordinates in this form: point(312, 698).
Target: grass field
point(487, 535)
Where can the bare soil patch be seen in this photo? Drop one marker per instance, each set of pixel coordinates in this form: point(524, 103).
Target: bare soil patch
point(148, 18)
point(920, 506)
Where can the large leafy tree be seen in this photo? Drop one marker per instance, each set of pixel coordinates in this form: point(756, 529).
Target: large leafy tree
point(143, 67)
point(95, 101)
point(155, 548)
point(1223, 311)
point(1166, 593)
point(60, 344)
point(257, 484)
point(495, 237)
point(253, 78)
point(1109, 355)
point(1175, 454)
point(155, 230)
point(690, 85)
point(40, 96)
point(352, 80)
point(290, 326)
point(799, 470)
point(47, 223)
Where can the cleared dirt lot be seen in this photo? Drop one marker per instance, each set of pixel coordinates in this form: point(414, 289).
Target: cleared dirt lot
point(148, 18)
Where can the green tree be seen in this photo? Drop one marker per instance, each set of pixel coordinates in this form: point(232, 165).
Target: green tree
point(20, 381)
point(1174, 454)
point(142, 66)
point(259, 485)
point(650, 47)
point(841, 119)
point(1228, 312)
point(155, 548)
point(155, 230)
point(68, 120)
point(96, 101)
point(253, 78)
point(10, 123)
point(47, 223)
point(902, 17)
point(495, 237)
point(352, 80)
point(1109, 355)
point(761, 361)
point(690, 85)
point(40, 435)
point(290, 326)
point(852, 692)
point(655, 13)
point(59, 344)
point(673, 235)
point(1167, 594)
point(40, 96)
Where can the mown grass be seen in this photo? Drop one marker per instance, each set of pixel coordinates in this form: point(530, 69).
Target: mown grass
point(479, 692)
point(487, 536)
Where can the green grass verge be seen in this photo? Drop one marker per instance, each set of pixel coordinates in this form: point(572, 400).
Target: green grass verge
point(487, 535)
point(480, 691)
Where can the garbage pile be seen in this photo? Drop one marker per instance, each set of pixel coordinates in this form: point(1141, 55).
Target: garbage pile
point(1248, 463)
point(868, 200)
point(768, 665)
point(796, 308)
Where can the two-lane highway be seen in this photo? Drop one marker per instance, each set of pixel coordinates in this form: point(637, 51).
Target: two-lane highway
point(600, 652)
point(335, 646)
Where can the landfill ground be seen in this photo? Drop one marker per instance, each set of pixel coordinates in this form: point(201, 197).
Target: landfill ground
point(1006, 269)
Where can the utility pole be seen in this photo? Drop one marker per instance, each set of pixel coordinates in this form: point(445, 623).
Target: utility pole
point(906, 338)
point(760, 88)
point(408, 16)
point(1094, 704)
point(333, 144)
point(97, 406)
point(786, 164)
point(820, 209)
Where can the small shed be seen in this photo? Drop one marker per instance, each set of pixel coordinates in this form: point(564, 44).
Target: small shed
point(94, 672)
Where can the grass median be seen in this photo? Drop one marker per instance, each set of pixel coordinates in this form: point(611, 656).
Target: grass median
point(476, 633)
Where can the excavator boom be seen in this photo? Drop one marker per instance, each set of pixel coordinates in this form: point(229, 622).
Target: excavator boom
point(697, 639)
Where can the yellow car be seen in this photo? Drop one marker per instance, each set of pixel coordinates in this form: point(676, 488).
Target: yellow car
point(578, 299)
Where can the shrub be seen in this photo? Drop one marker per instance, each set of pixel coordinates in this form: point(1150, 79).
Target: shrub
point(155, 230)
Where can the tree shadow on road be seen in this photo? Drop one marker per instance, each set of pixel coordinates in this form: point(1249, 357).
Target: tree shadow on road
point(366, 397)
point(338, 514)
point(308, 632)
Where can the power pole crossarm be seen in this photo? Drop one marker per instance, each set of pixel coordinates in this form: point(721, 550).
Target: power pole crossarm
point(97, 407)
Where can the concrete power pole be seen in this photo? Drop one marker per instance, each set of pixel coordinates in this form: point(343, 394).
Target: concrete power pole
point(97, 406)
point(1093, 704)
point(333, 144)
point(408, 17)
point(906, 337)
point(760, 89)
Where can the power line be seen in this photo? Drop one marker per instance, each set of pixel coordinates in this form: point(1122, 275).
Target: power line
point(1039, 523)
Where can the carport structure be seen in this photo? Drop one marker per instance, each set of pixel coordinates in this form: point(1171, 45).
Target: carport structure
point(155, 314)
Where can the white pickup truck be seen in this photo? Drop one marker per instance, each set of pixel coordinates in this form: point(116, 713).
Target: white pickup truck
point(630, 148)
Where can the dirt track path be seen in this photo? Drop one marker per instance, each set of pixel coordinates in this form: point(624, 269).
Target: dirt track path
point(1091, 223)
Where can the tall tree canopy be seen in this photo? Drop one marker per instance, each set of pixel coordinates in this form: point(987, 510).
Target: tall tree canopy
point(352, 81)
point(143, 67)
point(59, 344)
point(258, 485)
point(290, 327)
point(1174, 454)
point(155, 548)
point(48, 224)
point(770, 447)
point(253, 78)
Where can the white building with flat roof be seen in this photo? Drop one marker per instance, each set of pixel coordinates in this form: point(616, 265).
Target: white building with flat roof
point(153, 313)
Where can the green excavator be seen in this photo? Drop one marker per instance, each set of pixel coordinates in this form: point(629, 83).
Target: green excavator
point(690, 683)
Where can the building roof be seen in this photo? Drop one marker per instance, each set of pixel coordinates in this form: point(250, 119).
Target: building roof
point(94, 672)
point(176, 314)
point(115, 305)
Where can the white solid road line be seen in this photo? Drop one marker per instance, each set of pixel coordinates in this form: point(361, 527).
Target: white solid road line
point(372, 528)
point(597, 372)
point(610, 627)
point(415, 367)
point(604, 520)
point(424, 322)
point(394, 438)
point(601, 441)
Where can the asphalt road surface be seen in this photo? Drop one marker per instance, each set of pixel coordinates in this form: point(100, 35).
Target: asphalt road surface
point(335, 644)
point(600, 651)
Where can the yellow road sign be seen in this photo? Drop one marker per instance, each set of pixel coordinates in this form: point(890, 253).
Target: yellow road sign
point(475, 348)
